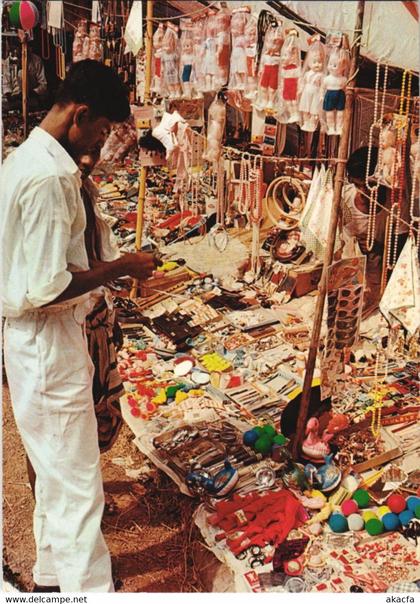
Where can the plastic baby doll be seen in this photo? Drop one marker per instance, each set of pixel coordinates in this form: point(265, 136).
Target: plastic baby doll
point(170, 62)
point(334, 84)
point(223, 21)
point(390, 160)
point(215, 130)
point(157, 58)
point(238, 58)
point(251, 35)
point(198, 33)
point(187, 59)
point(79, 38)
point(290, 74)
point(95, 44)
point(210, 53)
point(269, 69)
point(309, 102)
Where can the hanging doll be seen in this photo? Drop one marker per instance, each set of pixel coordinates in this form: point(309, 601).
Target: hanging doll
point(313, 74)
point(238, 58)
point(389, 158)
point(251, 35)
point(333, 87)
point(290, 71)
point(187, 58)
point(223, 24)
point(79, 38)
point(269, 69)
point(157, 58)
point(210, 66)
point(198, 36)
point(215, 130)
point(95, 44)
point(170, 62)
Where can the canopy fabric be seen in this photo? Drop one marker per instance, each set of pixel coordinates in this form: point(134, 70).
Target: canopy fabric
point(390, 29)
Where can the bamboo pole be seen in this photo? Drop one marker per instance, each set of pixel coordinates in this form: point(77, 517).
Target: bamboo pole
point(143, 169)
point(338, 185)
point(25, 85)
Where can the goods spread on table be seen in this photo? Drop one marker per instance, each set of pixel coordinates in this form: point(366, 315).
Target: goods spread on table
point(216, 342)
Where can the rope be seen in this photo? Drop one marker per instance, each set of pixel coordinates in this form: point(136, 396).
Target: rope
point(191, 14)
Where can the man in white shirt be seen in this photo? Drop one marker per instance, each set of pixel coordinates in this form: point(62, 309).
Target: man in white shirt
point(46, 282)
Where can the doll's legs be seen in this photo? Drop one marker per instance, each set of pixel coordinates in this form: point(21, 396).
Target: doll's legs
point(187, 89)
point(339, 120)
point(292, 108)
point(209, 83)
point(330, 117)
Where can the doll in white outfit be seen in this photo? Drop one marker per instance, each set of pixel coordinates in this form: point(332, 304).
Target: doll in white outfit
point(313, 74)
point(238, 59)
point(251, 36)
point(170, 62)
point(157, 58)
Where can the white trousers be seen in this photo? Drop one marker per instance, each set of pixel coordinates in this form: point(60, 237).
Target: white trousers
point(49, 373)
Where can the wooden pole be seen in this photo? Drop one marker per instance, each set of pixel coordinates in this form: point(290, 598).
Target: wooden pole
point(24, 42)
point(143, 169)
point(338, 185)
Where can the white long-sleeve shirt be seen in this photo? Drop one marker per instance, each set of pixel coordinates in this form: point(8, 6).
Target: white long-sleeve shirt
point(42, 224)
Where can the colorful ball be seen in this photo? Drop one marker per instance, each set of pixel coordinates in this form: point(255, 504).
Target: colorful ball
point(361, 496)
point(374, 526)
point(417, 511)
point(23, 15)
point(279, 439)
point(391, 521)
point(270, 431)
point(263, 445)
point(250, 437)
point(356, 522)
point(349, 507)
point(382, 510)
point(412, 503)
point(369, 515)
point(396, 503)
point(338, 523)
point(405, 517)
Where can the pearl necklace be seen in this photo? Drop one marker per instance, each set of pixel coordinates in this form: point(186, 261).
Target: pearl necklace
point(399, 173)
point(377, 393)
point(371, 226)
point(244, 200)
point(414, 184)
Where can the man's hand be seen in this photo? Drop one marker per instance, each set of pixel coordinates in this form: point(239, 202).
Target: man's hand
point(139, 265)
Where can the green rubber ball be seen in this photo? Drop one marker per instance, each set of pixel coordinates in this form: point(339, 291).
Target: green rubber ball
point(259, 430)
point(374, 526)
point(263, 445)
point(270, 431)
point(279, 439)
point(361, 497)
point(417, 511)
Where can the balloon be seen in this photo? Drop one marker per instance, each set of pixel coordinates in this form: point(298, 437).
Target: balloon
point(23, 15)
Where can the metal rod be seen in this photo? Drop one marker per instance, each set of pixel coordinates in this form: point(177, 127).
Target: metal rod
point(143, 169)
point(338, 185)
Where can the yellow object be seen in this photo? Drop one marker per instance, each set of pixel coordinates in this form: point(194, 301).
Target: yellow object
point(384, 509)
point(298, 390)
point(324, 514)
point(196, 392)
point(214, 362)
point(368, 515)
point(180, 396)
point(339, 496)
point(317, 494)
point(160, 398)
point(167, 266)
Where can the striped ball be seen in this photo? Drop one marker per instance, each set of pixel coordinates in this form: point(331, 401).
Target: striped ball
point(23, 15)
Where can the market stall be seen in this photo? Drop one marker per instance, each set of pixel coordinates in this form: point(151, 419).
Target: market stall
point(270, 364)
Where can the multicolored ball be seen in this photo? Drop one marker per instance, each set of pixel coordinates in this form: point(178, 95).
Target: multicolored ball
point(349, 507)
point(362, 498)
point(405, 517)
point(391, 521)
point(356, 522)
point(412, 503)
point(396, 503)
point(23, 15)
point(374, 526)
point(338, 523)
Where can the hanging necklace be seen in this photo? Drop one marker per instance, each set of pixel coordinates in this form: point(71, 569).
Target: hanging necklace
point(245, 193)
point(377, 394)
point(373, 198)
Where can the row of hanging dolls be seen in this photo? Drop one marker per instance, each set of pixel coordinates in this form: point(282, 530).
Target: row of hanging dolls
point(237, 50)
point(87, 44)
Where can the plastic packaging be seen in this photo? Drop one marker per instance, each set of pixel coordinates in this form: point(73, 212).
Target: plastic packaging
point(186, 72)
point(251, 35)
point(157, 59)
point(79, 38)
point(310, 100)
point(290, 73)
point(198, 34)
point(171, 85)
point(268, 76)
point(95, 44)
point(223, 25)
point(238, 57)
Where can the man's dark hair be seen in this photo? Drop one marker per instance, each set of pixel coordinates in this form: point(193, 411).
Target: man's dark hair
point(99, 87)
point(356, 164)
